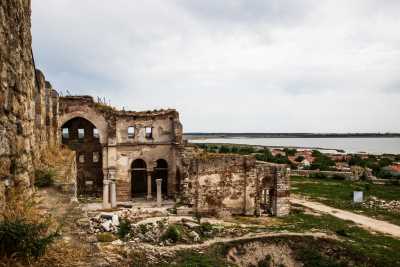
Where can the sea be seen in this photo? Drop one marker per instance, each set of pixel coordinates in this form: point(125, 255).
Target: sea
point(370, 145)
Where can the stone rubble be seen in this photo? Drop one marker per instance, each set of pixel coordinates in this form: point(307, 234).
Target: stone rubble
point(374, 202)
point(147, 228)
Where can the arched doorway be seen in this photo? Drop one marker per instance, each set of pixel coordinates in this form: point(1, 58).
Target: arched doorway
point(139, 178)
point(82, 136)
point(160, 172)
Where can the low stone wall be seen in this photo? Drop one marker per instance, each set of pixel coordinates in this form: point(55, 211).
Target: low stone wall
point(306, 173)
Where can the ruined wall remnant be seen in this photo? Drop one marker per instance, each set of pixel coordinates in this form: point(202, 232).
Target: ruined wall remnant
point(214, 183)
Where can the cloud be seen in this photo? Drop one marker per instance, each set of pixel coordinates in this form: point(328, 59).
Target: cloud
point(240, 65)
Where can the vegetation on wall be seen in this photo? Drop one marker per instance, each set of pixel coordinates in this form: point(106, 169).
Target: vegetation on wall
point(44, 177)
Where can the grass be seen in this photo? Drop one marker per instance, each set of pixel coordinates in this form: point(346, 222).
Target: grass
point(354, 246)
point(339, 194)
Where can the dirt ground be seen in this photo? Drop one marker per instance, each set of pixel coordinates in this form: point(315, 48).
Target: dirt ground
point(363, 221)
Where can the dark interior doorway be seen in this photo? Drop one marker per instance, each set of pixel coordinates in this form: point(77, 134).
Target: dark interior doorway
point(160, 172)
point(80, 135)
point(139, 178)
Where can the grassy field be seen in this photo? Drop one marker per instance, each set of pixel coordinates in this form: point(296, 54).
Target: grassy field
point(352, 245)
point(339, 194)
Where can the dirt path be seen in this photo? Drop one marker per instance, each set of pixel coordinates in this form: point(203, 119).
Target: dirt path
point(68, 214)
point(364, 221)
point(230, 239)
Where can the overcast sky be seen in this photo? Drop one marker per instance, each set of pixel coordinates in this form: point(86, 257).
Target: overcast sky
point(233, 65)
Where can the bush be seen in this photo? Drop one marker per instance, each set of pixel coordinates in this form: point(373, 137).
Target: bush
point(290, 152)
point(24, 239)
point(224, 149)
point(338, 177)
point(318, 175)
point(44, 177)
point(172, 233)
point(206, 228)
point(105, 237)
point(124, 228)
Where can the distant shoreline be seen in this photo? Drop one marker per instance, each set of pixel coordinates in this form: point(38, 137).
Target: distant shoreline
point(192, 136)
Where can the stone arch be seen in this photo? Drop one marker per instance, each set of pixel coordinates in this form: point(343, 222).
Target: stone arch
point(97, 120)
point(160, 172)
point(267, 193)
point(89, 152)
point(138, 178)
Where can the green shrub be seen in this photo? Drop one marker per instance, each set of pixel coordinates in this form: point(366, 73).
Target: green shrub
point(338, 177)
point(318, 175)
point(172, 233)
point(124, 228)
point(394, 182)
point(24, 239)
point(206, 227)
point(224, 149)
point(105, 237)
point(44, 177)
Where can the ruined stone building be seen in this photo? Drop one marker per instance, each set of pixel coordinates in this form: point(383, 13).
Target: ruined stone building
point(119, 154)
point(127, 149)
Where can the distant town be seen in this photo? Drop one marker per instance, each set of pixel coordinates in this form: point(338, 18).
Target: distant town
point(317, 164)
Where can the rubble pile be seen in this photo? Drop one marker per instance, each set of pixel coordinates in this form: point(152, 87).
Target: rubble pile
point(376, 203)
point(142, 227)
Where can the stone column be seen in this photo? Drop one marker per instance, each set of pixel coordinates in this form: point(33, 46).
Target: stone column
point(113, 189)
point(159, 199)
point(106, 191)
point(149, 196)
point(113, 194)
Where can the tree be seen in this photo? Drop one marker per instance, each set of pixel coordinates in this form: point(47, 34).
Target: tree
point(224, 149)
point(289, 151)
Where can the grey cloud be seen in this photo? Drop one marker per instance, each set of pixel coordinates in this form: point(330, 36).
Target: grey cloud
point(249, 11)
point(230, 65)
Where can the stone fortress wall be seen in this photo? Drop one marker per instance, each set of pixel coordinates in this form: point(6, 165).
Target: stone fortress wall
point(28, 104)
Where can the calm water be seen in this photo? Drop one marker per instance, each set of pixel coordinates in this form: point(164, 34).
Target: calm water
point(350, 145)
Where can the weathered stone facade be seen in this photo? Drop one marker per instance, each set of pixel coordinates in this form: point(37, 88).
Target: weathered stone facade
point(134, 148)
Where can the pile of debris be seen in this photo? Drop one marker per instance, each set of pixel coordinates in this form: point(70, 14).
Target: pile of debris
point(161, 231)
point(104, 222)
point(376, 203)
